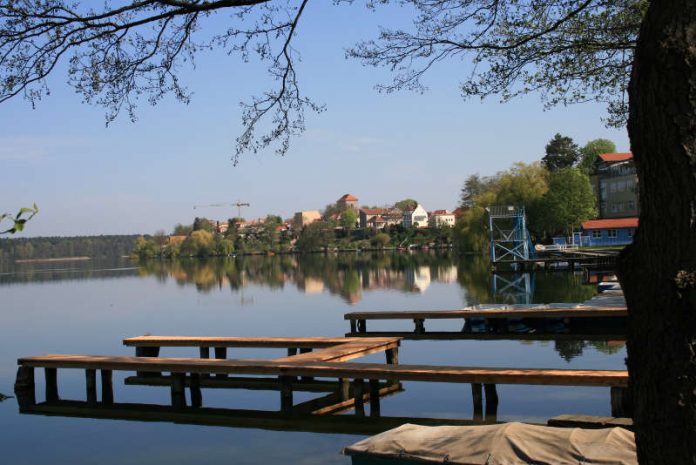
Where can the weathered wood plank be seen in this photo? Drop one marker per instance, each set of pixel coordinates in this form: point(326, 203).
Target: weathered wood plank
point(588, 421)
point(456, 374)
point(233, 341)
point(496, 336)
point(248, 383)
point(583, 312)
point(343, 352)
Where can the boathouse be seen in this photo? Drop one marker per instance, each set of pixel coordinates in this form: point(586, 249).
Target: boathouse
point(618, 231)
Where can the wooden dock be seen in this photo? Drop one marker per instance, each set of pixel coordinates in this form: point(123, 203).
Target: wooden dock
point(358, 320)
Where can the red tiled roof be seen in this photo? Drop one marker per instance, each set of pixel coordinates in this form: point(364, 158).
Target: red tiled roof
point(617, 223)
point(440, 212)
point(616, 156)
point(348, 198)
point(373, 211)
point(459, 211)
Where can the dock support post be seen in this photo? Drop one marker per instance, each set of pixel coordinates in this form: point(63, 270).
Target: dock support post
point(25, 388)
point(621, 405)
point(420, 325)
point(91, 386)
point(51, 384)
point(491, 402)
point(359, 394)
point(392, 356)
point(374, 398)
point(343, 389)
point(477, 397)
point(107, 387)
point(195, 389)
point(286, 402)
point(353, 327)
point(221, 352)
point(292, 351)
point(147, 352)
point(362, 326)
point(177, 391)
point(204, 353)
point(306, 350)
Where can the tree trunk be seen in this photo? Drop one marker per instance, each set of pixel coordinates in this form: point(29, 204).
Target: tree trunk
point(658, 272)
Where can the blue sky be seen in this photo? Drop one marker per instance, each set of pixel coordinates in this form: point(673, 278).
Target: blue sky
point(144, 176)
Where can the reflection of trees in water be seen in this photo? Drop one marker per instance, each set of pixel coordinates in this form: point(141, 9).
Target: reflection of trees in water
point(568, 350)
point(346, 275)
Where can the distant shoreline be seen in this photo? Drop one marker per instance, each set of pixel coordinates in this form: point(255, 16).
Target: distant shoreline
point(60, 259)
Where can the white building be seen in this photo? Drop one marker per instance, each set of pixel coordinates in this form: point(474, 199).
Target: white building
point(440, 218)
point(416, 218)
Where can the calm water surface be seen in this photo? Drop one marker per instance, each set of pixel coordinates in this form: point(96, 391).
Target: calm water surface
point(90, 307)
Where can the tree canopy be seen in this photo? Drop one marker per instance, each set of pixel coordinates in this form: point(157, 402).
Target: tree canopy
point(590, 151)
point(568, 202)
point(561, 152)
point(119, 53)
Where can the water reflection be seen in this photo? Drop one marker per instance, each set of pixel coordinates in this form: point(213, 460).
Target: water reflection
point(351, 275)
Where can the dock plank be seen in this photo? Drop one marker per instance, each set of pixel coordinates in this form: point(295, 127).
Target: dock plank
point(455, 374)
point(582, 312)
point(234, 341)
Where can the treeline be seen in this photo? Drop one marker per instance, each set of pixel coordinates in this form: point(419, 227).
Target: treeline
point(56, 247)
point(556, 193)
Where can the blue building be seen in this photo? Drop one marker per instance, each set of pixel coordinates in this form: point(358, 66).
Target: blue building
point(617, 231)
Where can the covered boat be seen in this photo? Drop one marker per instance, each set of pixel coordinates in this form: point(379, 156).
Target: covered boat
point(501, 444)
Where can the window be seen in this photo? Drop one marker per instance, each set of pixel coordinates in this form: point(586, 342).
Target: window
point(630, 233)
point(614, 208)
point(612, 187)
point(611, 233)
point(631, 205)
point(596, 234)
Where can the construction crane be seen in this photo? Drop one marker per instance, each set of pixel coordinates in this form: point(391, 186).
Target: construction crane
point(237, 204)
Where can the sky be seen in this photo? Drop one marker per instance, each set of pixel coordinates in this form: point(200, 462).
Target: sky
point(137, 178)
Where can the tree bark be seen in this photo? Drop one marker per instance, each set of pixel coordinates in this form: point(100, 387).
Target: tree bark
point(658, 272)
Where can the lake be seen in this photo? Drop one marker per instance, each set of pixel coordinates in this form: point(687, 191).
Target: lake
point(89, 307)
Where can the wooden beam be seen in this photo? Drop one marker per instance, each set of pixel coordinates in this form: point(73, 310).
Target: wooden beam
point(233, 341)
point(551, 312)
point(453, 374)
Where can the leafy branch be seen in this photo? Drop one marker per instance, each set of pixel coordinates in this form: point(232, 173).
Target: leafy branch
point(19, 220)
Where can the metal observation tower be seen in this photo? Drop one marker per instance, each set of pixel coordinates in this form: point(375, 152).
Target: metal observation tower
point(510, 240)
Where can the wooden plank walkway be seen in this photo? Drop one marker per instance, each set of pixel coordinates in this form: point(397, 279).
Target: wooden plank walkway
point(358, 320)
point(336, 349)
point(377, 371)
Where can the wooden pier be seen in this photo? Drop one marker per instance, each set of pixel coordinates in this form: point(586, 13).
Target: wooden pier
point(358, 320)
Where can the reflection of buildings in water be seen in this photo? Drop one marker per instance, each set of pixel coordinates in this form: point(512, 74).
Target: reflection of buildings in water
point(418, 279)
point(311, 285)
point(447, 275)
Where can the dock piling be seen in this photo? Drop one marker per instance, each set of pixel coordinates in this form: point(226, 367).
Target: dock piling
point(91, 385)
point(374, 398)
point(286, 401)
point(107, 387)
point(177, 390)
point(359, 395)
point(477, 397)
point(25, 387)
point(51, 384)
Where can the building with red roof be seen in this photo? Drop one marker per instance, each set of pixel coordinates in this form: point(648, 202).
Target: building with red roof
point(348, 201)
point(615, 182)
point(609, 231)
